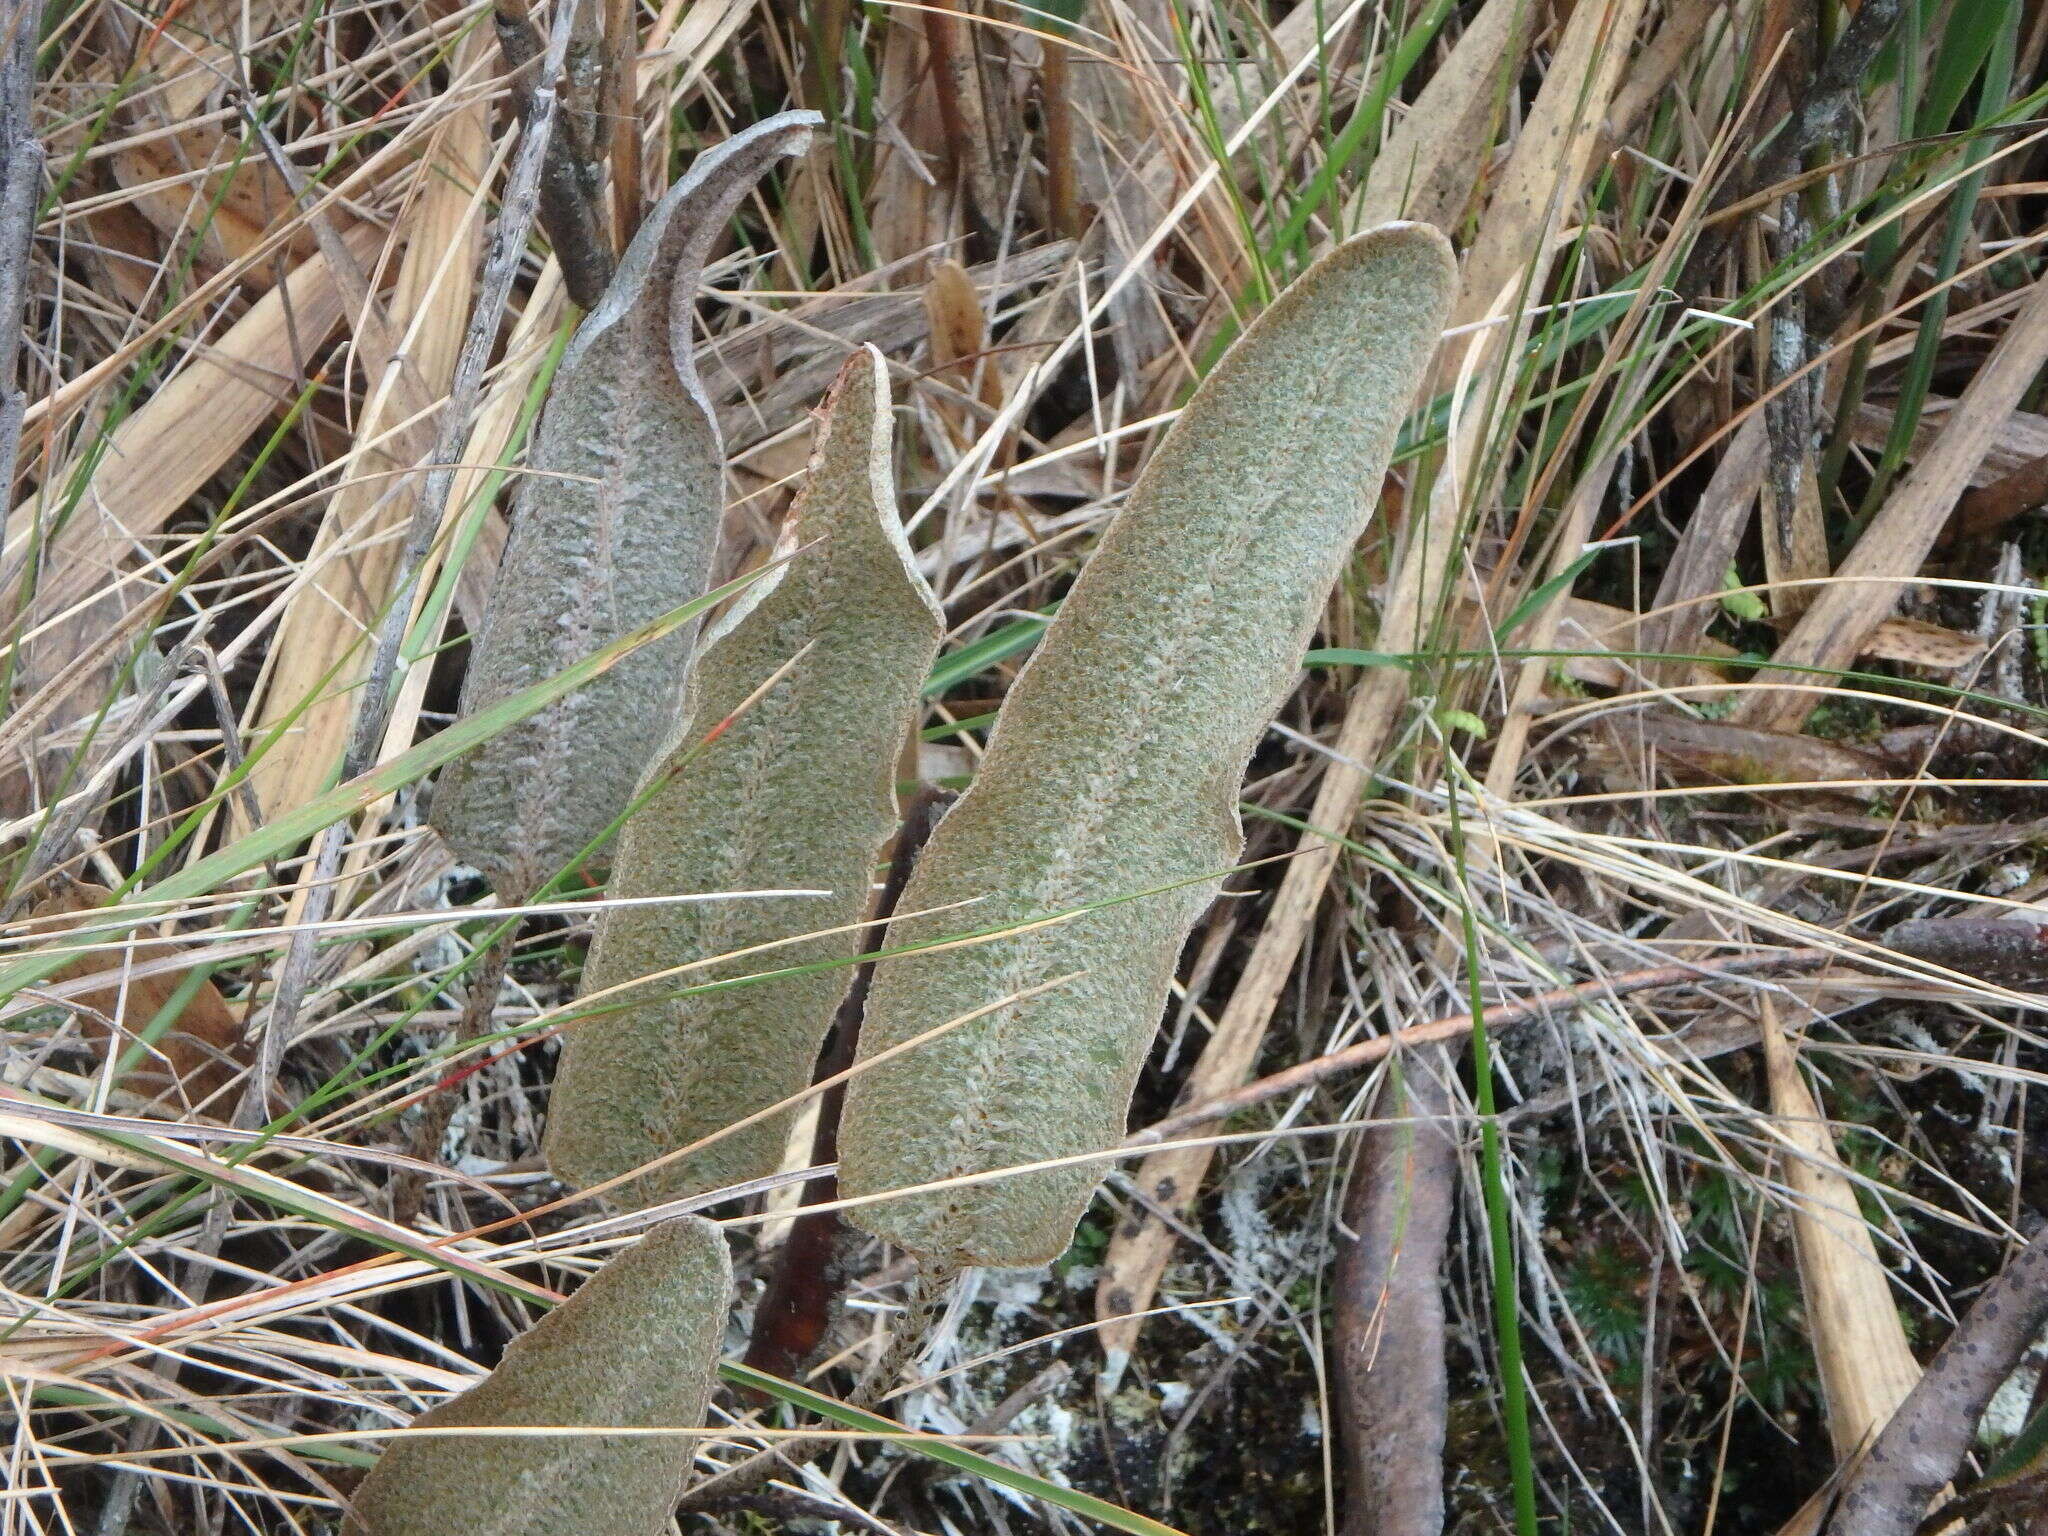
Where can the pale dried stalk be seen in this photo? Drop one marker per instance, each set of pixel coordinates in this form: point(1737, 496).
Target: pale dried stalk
point(321, 644)
point(1426, 168)
point(153, 464)
point(1552, 155)
point(1866, 1366)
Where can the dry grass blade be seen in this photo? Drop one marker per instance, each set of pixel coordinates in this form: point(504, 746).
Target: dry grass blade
point(1866, 1365)
point(152, 464)
point(1427, 169)
point(323, 640)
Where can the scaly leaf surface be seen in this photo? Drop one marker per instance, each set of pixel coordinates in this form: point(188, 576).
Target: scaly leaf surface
point(636, 1348)
point(795, 793)
point(616, 524)
point(1115, 766)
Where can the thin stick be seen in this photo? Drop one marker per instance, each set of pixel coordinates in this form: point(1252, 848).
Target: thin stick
point(796, 1309)
point(622, 106)
point(1321, 1069)
point(1056, 111)
point(439, 1108)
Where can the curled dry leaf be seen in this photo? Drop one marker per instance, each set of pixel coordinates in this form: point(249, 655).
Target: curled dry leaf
point(1114, 769)
point(795, 793)
point(188, 169)
point(199, 1052)
point(635, 1348)
point(616, 526)
point(959, 330)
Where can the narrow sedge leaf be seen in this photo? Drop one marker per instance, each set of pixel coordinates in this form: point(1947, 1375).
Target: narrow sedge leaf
point(616, 524)
point(1111, 1516)
point(635, 1348)
point(128, 1149)
point(1116, 762)
point(795, 793)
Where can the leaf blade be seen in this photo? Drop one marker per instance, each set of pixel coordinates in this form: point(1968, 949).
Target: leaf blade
point(635, 1348)
point(621, 526)
point(796, 792)
point(1115, 763)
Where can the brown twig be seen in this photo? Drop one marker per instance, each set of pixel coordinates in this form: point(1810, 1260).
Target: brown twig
point(1321, 1069)
point(1388, 1308)
point(1820, 108)
point(1795, 540)
point(956, 80)
point(1922, 1447)
point(21, 176)
point(571, 181)
point(1996, 948)
point(1824, 109)
point(622, 109)
point(796, 1310)
point(1984, 511)
point(1056, 112)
